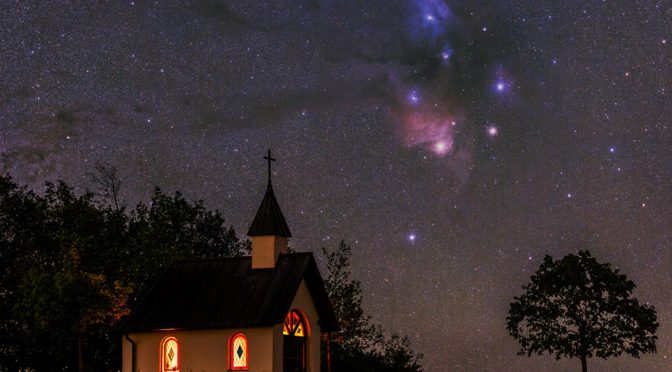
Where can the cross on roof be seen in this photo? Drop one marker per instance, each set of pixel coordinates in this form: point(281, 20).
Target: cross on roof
point(270, 159)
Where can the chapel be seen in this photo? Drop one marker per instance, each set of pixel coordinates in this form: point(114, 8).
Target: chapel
point(261, 313)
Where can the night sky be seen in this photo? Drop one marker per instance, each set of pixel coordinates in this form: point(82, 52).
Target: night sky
point(452, 143)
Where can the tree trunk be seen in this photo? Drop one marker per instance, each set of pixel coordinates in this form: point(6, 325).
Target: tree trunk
point(584, 364)
point(80, 353)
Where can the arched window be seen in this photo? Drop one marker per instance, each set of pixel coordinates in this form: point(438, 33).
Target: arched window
point(294, 341)
point(238, 352)
point(170, 355)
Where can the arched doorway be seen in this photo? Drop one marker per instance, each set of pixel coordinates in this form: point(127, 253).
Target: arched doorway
point(294, 339)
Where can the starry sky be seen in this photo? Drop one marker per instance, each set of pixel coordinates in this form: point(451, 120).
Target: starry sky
point(452, 143)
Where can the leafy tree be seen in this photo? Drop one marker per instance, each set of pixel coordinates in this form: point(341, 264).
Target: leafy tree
point(71, 267)
point(21, 216)
point(360, 345)
point(172, 228)
point(579, 308)
point(345, 294)
point(68, 305)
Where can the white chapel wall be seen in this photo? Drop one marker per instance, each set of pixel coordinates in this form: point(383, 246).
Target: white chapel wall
point(201, 351)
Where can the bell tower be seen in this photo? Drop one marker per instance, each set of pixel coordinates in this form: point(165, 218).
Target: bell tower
point(269, 231)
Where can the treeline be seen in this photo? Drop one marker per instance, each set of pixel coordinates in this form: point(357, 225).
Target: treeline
point(72, 266)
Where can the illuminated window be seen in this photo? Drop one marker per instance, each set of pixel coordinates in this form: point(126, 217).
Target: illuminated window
point(170, 355)
point(294, 340)
point(294, 325)
point(238, 352)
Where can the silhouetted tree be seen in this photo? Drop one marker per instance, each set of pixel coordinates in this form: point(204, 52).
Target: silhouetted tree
point(360, 345)
point(172, 228)
point(22, 219)
point(108, 182)
point(579, 308)
point(71, 267)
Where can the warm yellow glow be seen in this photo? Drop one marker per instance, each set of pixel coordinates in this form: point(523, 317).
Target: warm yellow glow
point(170, 357)
point(239, 352)
point(298, 332)
point(293, 325)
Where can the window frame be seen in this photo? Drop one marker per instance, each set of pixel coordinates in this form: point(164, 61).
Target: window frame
point(162, 354)
point(291, 326)
point(232, 340)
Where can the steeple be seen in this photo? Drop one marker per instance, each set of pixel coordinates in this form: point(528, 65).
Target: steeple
point(269, 219)
point(269, 230)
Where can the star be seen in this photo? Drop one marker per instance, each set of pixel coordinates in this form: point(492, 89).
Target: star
point(492, 131)
point(440, 148)
point(445, 55)
point(413, 97)
point(411, 237)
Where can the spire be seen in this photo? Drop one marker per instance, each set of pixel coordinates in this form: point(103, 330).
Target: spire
point(269, 219)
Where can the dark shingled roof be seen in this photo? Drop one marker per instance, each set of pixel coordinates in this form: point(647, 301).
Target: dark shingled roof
point(269, 219)
point(227, 293)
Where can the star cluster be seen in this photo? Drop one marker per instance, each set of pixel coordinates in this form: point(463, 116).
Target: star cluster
point(452, 143)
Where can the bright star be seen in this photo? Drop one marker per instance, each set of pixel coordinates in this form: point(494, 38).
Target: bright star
point(492, 131)
point(612, 150)
point(440, 147)
point(445, 55)
point(413, 97)
point(411, 237)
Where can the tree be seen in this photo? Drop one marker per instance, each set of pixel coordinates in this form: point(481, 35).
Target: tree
point(172, 228)
point(360, 345)
point(69, 304)
point(69, 286)
point(71, 267)
point(21, 216)
point(108, 182)
point(579, 308)
point(346, 299)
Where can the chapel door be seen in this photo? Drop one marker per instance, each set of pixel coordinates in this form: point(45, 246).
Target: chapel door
point(294, 340)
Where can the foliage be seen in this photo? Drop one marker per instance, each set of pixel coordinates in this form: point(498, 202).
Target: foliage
point(172, 228)
point(579, 308)
point(71, 267)
point(360, 345)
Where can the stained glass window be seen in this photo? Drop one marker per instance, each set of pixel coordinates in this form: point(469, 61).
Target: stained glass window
point(170, 356)
point(238, 352)
point(294, 342)
point(293, 325)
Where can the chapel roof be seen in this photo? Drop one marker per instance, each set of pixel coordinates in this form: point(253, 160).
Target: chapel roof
point(269, 219)
point(227, 293)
